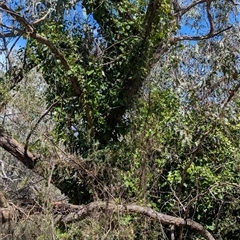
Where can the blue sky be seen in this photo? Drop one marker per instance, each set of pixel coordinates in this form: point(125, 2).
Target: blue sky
point(185, 29)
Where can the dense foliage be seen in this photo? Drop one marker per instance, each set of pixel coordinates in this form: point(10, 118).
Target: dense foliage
point(125, 102)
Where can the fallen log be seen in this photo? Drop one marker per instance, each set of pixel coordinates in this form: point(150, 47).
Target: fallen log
point(65, 213)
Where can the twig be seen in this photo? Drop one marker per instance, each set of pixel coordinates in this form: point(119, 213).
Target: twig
point(189, 7)
point(193, 153)
point(38, 121)
point(232, 94)
point(15, 42)
point(7, 52)
point(42, 18)
point(172, 228)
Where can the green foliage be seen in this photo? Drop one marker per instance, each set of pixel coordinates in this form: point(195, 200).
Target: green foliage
point(102, 54)
point(162, 133)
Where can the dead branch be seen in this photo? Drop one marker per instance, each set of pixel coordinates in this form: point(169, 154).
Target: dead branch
point(80, 212)
point(67, 213)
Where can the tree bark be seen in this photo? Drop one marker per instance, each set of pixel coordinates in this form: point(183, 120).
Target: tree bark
point(74, 189)
point(67, 213)
point(16, 149)
point(81, 212)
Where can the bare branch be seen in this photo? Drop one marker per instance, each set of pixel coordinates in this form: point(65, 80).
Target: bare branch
point(209, 35)
point(31, 32)
point(38, 121)
point(42, 18)
point(210, 19)
point(234, 3)
point(179, 12)
point(4, 175)
point(14, 32)
point(7, 52)
point(31, 161)
point(189, 7)
point(18, 17)
point(13, 45)
point(172, 228)
point(68, 213)
point(80, 212)
point(18, 77)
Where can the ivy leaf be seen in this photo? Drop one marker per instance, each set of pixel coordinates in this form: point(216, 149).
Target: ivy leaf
point(90, 72)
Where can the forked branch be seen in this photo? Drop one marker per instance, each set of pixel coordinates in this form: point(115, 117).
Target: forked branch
point(180, 12)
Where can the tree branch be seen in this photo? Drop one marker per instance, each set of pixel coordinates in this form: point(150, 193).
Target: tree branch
point(67, 213)
point(150, 17)
point(189, 7)
point(42, 18)
point(31, 32)
point(38, 121)
point(210, 18)
point(74, 169)
point(16, 149)
point(231, 95)
point(80, 212)
point(179, 12)
point(204, 37)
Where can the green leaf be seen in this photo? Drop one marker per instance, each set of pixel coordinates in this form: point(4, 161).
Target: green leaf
point(90, 72)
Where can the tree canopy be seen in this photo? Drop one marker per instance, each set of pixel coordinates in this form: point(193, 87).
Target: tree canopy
point(129, 109)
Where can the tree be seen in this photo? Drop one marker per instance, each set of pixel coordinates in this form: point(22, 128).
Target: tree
point(116, 120)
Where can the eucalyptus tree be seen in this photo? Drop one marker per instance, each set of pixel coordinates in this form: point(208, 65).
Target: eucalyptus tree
point(97, 59)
